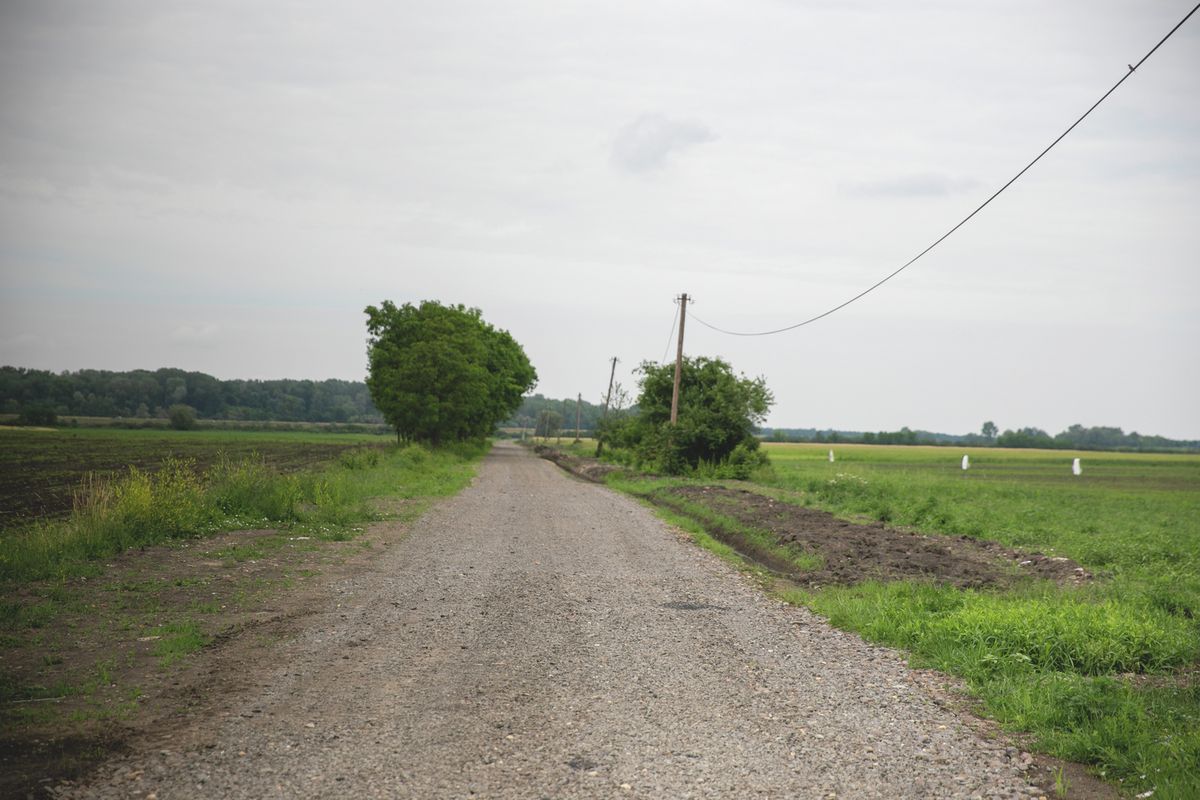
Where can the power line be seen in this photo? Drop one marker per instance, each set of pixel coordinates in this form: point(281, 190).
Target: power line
point(1132, 68)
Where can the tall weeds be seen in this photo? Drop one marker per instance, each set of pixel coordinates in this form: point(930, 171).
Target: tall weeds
point(140, 508)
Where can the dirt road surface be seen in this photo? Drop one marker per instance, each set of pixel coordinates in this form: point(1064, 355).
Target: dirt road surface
point(539, 636)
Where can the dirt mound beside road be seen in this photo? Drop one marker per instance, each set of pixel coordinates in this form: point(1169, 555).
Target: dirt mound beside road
point(854, 552)
point(591, 469)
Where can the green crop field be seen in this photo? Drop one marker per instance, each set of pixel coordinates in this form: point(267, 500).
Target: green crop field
point(41, 468)
point(1105, 672)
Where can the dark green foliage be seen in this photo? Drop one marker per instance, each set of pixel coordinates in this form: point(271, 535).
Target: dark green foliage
point(141, 393)
point(1076, 437)
point(38, 414)
point(718, 412)
point(182, 417)
point(440, 373)
point(1025, 437)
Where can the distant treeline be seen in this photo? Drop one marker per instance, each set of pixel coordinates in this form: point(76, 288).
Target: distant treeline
point(533, 407)
point(142, 394)
point(1076, 437)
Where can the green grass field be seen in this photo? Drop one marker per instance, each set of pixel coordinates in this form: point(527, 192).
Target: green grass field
point(1132, 518)
point(1104, 673)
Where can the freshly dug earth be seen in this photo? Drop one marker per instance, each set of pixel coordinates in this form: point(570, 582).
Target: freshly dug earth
point(539, 636)
point(853, 552)
point(593, 469)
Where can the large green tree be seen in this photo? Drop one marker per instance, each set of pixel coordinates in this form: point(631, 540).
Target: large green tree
point(718, 412)
point(440, 373)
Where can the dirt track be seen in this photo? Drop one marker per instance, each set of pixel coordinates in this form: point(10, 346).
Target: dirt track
point(539, 636)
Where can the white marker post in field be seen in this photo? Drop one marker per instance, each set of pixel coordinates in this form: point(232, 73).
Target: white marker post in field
point(966, 463)
point(1075, 468)
point(831, 457)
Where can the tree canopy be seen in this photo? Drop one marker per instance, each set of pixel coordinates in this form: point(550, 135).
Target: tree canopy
point(440, 373)
point(718, 414)
point(143, 394)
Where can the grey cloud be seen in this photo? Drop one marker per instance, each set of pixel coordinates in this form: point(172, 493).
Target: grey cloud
point(645, 144)
point(926, 184)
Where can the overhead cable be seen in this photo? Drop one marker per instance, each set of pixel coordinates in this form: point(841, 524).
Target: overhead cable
point(1132, 68)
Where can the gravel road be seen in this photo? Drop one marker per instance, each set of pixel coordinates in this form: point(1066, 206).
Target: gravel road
point(538, 636)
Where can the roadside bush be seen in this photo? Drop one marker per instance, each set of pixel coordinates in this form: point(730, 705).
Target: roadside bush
point(715, 428)
point(743, 463)
point(182, 417)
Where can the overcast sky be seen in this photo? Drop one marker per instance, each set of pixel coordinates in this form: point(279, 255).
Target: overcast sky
point(223, 186)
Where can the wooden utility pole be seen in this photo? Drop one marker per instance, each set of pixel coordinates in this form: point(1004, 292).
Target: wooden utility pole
point(607, 398)
point(683, 300)
point(578, 405)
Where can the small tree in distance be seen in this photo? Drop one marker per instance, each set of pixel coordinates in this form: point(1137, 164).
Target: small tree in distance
point(989, 430)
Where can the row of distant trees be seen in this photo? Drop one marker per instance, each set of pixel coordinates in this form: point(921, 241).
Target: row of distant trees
point(1076, 437)
point(145, 394)
point(540, 413)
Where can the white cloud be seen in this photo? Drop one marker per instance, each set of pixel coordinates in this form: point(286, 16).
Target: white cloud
point(645, 144)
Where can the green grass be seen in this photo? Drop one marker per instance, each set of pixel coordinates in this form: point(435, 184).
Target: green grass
point(1058, 662)
point(181, 500)
point(1134, 518)
point(1103, 673)
point(177, 640)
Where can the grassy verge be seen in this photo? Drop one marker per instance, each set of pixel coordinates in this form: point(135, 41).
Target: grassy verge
point(179, 501)
point(732, 535)
point(1104, 673)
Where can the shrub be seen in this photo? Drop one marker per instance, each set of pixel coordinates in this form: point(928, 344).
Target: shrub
point(718, 410)
point(182, 417)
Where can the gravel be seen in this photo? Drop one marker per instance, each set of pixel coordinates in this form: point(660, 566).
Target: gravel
point(539, 636)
